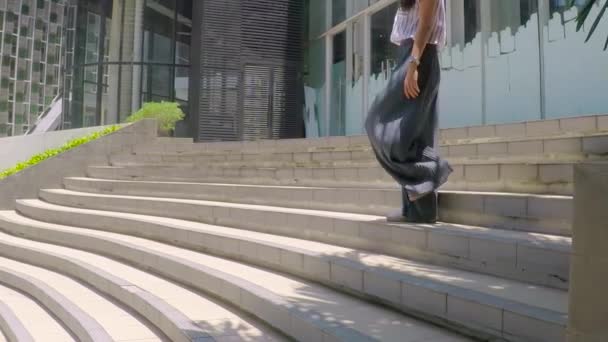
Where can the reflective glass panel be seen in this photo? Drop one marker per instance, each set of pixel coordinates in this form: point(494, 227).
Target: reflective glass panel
point(354, 113)
point(338, 86)
point(383, 52)
point(338, 11)
point(576, 73)
point(461, 95)
point(512, 68)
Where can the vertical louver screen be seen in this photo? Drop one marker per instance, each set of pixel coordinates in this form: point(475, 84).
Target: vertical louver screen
point(257, 103)
point(247, 69)
point(219, 101)
point(287, 119)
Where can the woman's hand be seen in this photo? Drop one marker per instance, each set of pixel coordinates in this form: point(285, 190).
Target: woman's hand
point(410, 84)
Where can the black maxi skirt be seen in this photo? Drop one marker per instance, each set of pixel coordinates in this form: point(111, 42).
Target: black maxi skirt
point(403, 134)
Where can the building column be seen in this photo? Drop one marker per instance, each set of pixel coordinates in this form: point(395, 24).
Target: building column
point(588, 314)
point(113, 69)
point(138, 36)
point(122, 48)
point(367, 65)
point(329, 56)
point(485, 21)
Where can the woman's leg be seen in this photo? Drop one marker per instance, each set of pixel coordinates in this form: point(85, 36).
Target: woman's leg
point(423, 210)
point(402, 135)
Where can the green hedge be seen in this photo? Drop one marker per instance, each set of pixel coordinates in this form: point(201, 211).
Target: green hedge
point(167, 114)
point(55, 151)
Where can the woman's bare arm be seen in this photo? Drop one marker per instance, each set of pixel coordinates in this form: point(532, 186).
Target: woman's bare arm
point(426, 25)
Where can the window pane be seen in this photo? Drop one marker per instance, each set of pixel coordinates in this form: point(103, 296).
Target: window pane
point(338, 11)
point(314, 89)
point(93, 27)
point(159, 25)
point(181, 84)
point(89, 106)
point(90, 73)
point(316, 18)
point(184, 32)
point(159, 81)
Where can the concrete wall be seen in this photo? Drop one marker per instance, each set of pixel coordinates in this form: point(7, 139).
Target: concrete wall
point(588, 312)
point(17, 149)
point(73, 163)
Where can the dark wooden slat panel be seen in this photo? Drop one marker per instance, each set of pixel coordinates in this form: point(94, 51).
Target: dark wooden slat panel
point(248, 58)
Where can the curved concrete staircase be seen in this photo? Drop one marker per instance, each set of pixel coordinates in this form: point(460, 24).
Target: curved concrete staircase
point(285, 240)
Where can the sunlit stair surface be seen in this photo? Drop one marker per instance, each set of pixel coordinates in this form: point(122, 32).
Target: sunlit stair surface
point(286, 240)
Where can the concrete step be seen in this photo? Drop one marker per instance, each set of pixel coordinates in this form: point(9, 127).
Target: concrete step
point(301, 309)
point(531, 129)
point(76, 312)
point(533, 178)
point(172, 140)
point(534, 258)
point(11, 325)
point(376, 277)
point(523, 212)
point(17, 309)
point(180, 313)
point(572, 146)
point(273, 160)
point(552, 129)
point(143, 304)
point(538, 178)
point(527, 174)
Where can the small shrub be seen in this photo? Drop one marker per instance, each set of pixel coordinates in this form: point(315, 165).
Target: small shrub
point(35, 159)
point(167, 115)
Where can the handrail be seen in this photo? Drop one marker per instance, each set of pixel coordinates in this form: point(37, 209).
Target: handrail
point(45, 113)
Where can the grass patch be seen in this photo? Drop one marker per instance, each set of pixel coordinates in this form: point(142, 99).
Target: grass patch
point(37, 158)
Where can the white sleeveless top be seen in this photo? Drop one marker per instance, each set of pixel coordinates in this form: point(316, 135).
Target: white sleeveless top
point(406, 25)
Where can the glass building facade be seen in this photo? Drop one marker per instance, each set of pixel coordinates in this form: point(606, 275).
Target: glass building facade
point(505, 61)
point(243, 82)
point(122, 53)
point(244, 70)
point(30, 60)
